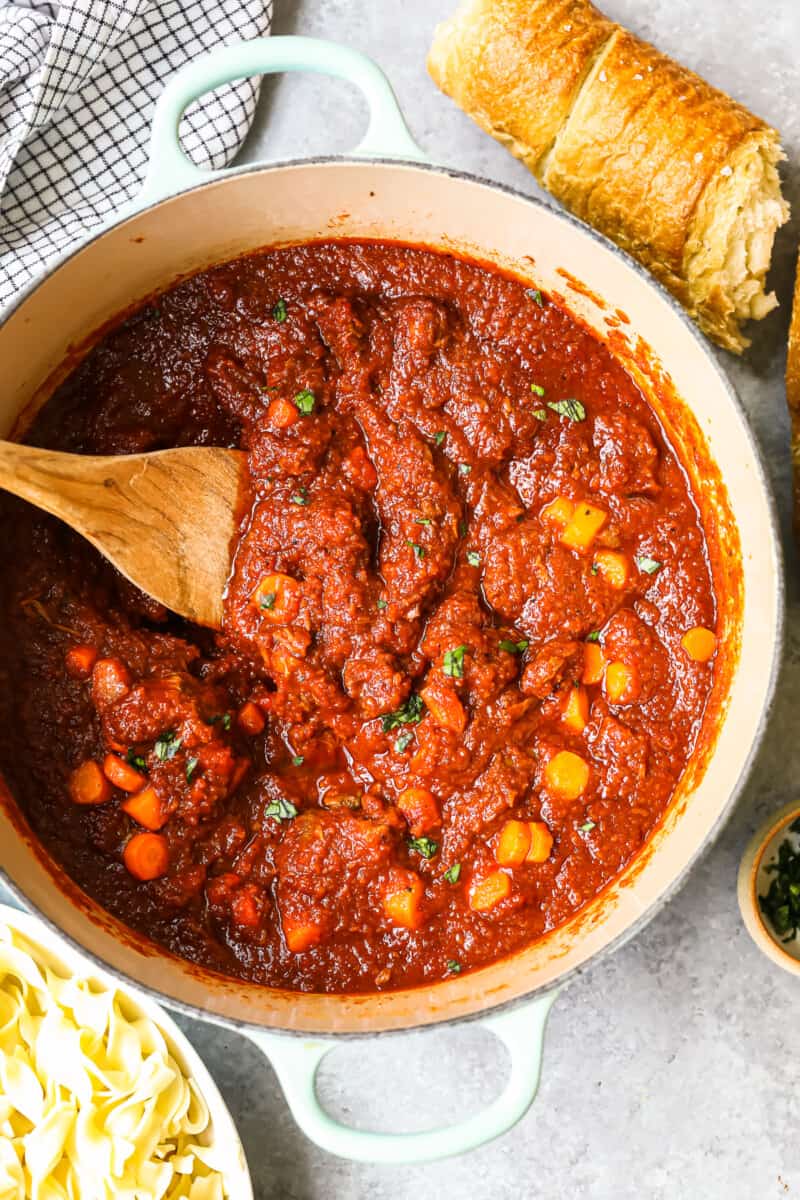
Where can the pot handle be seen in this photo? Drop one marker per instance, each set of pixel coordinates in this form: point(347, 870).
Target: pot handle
point(296, 1061)
point(170, 171)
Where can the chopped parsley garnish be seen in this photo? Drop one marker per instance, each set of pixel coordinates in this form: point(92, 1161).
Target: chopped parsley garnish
point(594, 569)
point(464, 468)
point(587, 827)
point(540, 414)
point(535, 295)
point(473, 558)
point(453, 874)
point(424, 521)
point(439, 437)
point(223, 719)
point(572, 409)
point(537, 389)
point(409, 714)
point(454, 966)
point(136, 760)
point(647, 565)
point(167, 746)
point(403, 741)
point(462, 528)
point(297, 760)
point(300, 497)
point(425, 846)
point(268, 600)
point(594, 636)
point(279, 311)
point(382, 604)
point(281, 809)
point(191, 766)
point(305, 402)
point(514, 647)
point(419, 551)
point(781, 904)
point(454, 662)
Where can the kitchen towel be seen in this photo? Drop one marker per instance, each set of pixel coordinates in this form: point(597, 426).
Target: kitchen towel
point(78, 82)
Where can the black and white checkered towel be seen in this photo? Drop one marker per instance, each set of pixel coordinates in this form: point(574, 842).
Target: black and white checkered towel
point(78, 81)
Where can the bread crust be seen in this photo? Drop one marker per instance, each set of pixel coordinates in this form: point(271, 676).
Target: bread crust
point(793, 396)
point(671, 169)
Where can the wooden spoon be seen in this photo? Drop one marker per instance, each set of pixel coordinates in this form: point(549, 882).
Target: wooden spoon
point(166, 520)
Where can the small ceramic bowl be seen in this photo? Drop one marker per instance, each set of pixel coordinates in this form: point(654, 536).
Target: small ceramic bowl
point(754, 880)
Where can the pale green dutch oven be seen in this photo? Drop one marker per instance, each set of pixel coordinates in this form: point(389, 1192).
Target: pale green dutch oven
point(186, 219)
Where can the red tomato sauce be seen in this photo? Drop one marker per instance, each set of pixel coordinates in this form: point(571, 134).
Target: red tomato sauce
point(454, 692)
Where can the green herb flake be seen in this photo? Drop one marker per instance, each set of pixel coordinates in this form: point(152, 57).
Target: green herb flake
point(540, 414)
point(167, 746)
point(425, 846)
point(781, 903)
point(594, 636)
point(453, 664)
point(300, 497)
point(268, 601)
point(382, 604)
point(454, 966)
point(464, 468)
point(297, 760)
point(419, 551)
point(537, 389)
point(594, 569)
point(279, 311)
point(409, 714)
point(473, 558)
point(514, 647)
point(573, 410)
point(424, 521)
point(191, 766)
point(135, 760)
point(587, 827)
point(281, 809)
point(404, 741)
point(439, 437)
point(535, 295)
point(453, 874)
point(305, 402)
point(647, 565)
point(462, 528)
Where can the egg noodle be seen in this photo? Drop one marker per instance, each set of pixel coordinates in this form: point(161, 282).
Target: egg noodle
point(92, 1104)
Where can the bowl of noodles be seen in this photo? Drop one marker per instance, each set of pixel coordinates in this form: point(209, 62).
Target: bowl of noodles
point(100, 1093)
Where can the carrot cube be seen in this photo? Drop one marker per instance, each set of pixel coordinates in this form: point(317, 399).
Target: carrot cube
point(699, 643)
point(145, 809)
point(514, 844)
point(587, 521)
point(300, 935)
point(575, 713)
point(613, 567)
point(79, 661)
point(277, 598)
point(558, 512)
point(489, 891)
point(251, 719)
point(594, 663)
point(567, 775)
point(541, 842)
point(621, 683)
point(111, 680)
point(402, 904)
point(419, 808)
point(444, 705)
point(88, 784)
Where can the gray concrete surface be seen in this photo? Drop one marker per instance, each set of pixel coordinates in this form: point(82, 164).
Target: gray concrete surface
point(670, 1069)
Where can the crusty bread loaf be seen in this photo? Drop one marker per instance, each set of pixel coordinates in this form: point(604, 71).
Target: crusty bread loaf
point(674, 171)
point(793, 396)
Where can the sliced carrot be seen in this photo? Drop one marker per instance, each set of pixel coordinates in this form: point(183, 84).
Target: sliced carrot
point(251, 718)
point(613, 567)
point(146, 856)
point(594, 663)
point(444, 705)
point(621, 683)
point(558, 512)
point(402, 904)
point(111, 680)
point(122, 774)
point(514, 843)
point(277, 597)
point(587, 521)
point(88, 784)
point(699, 643)
point(541, 842)
point(79, 661)
point(489, 891)
point(567, 775)
point(146, 809)
point(300, 935)
point(575, 712)
point(419, 808)
point(282, 413)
